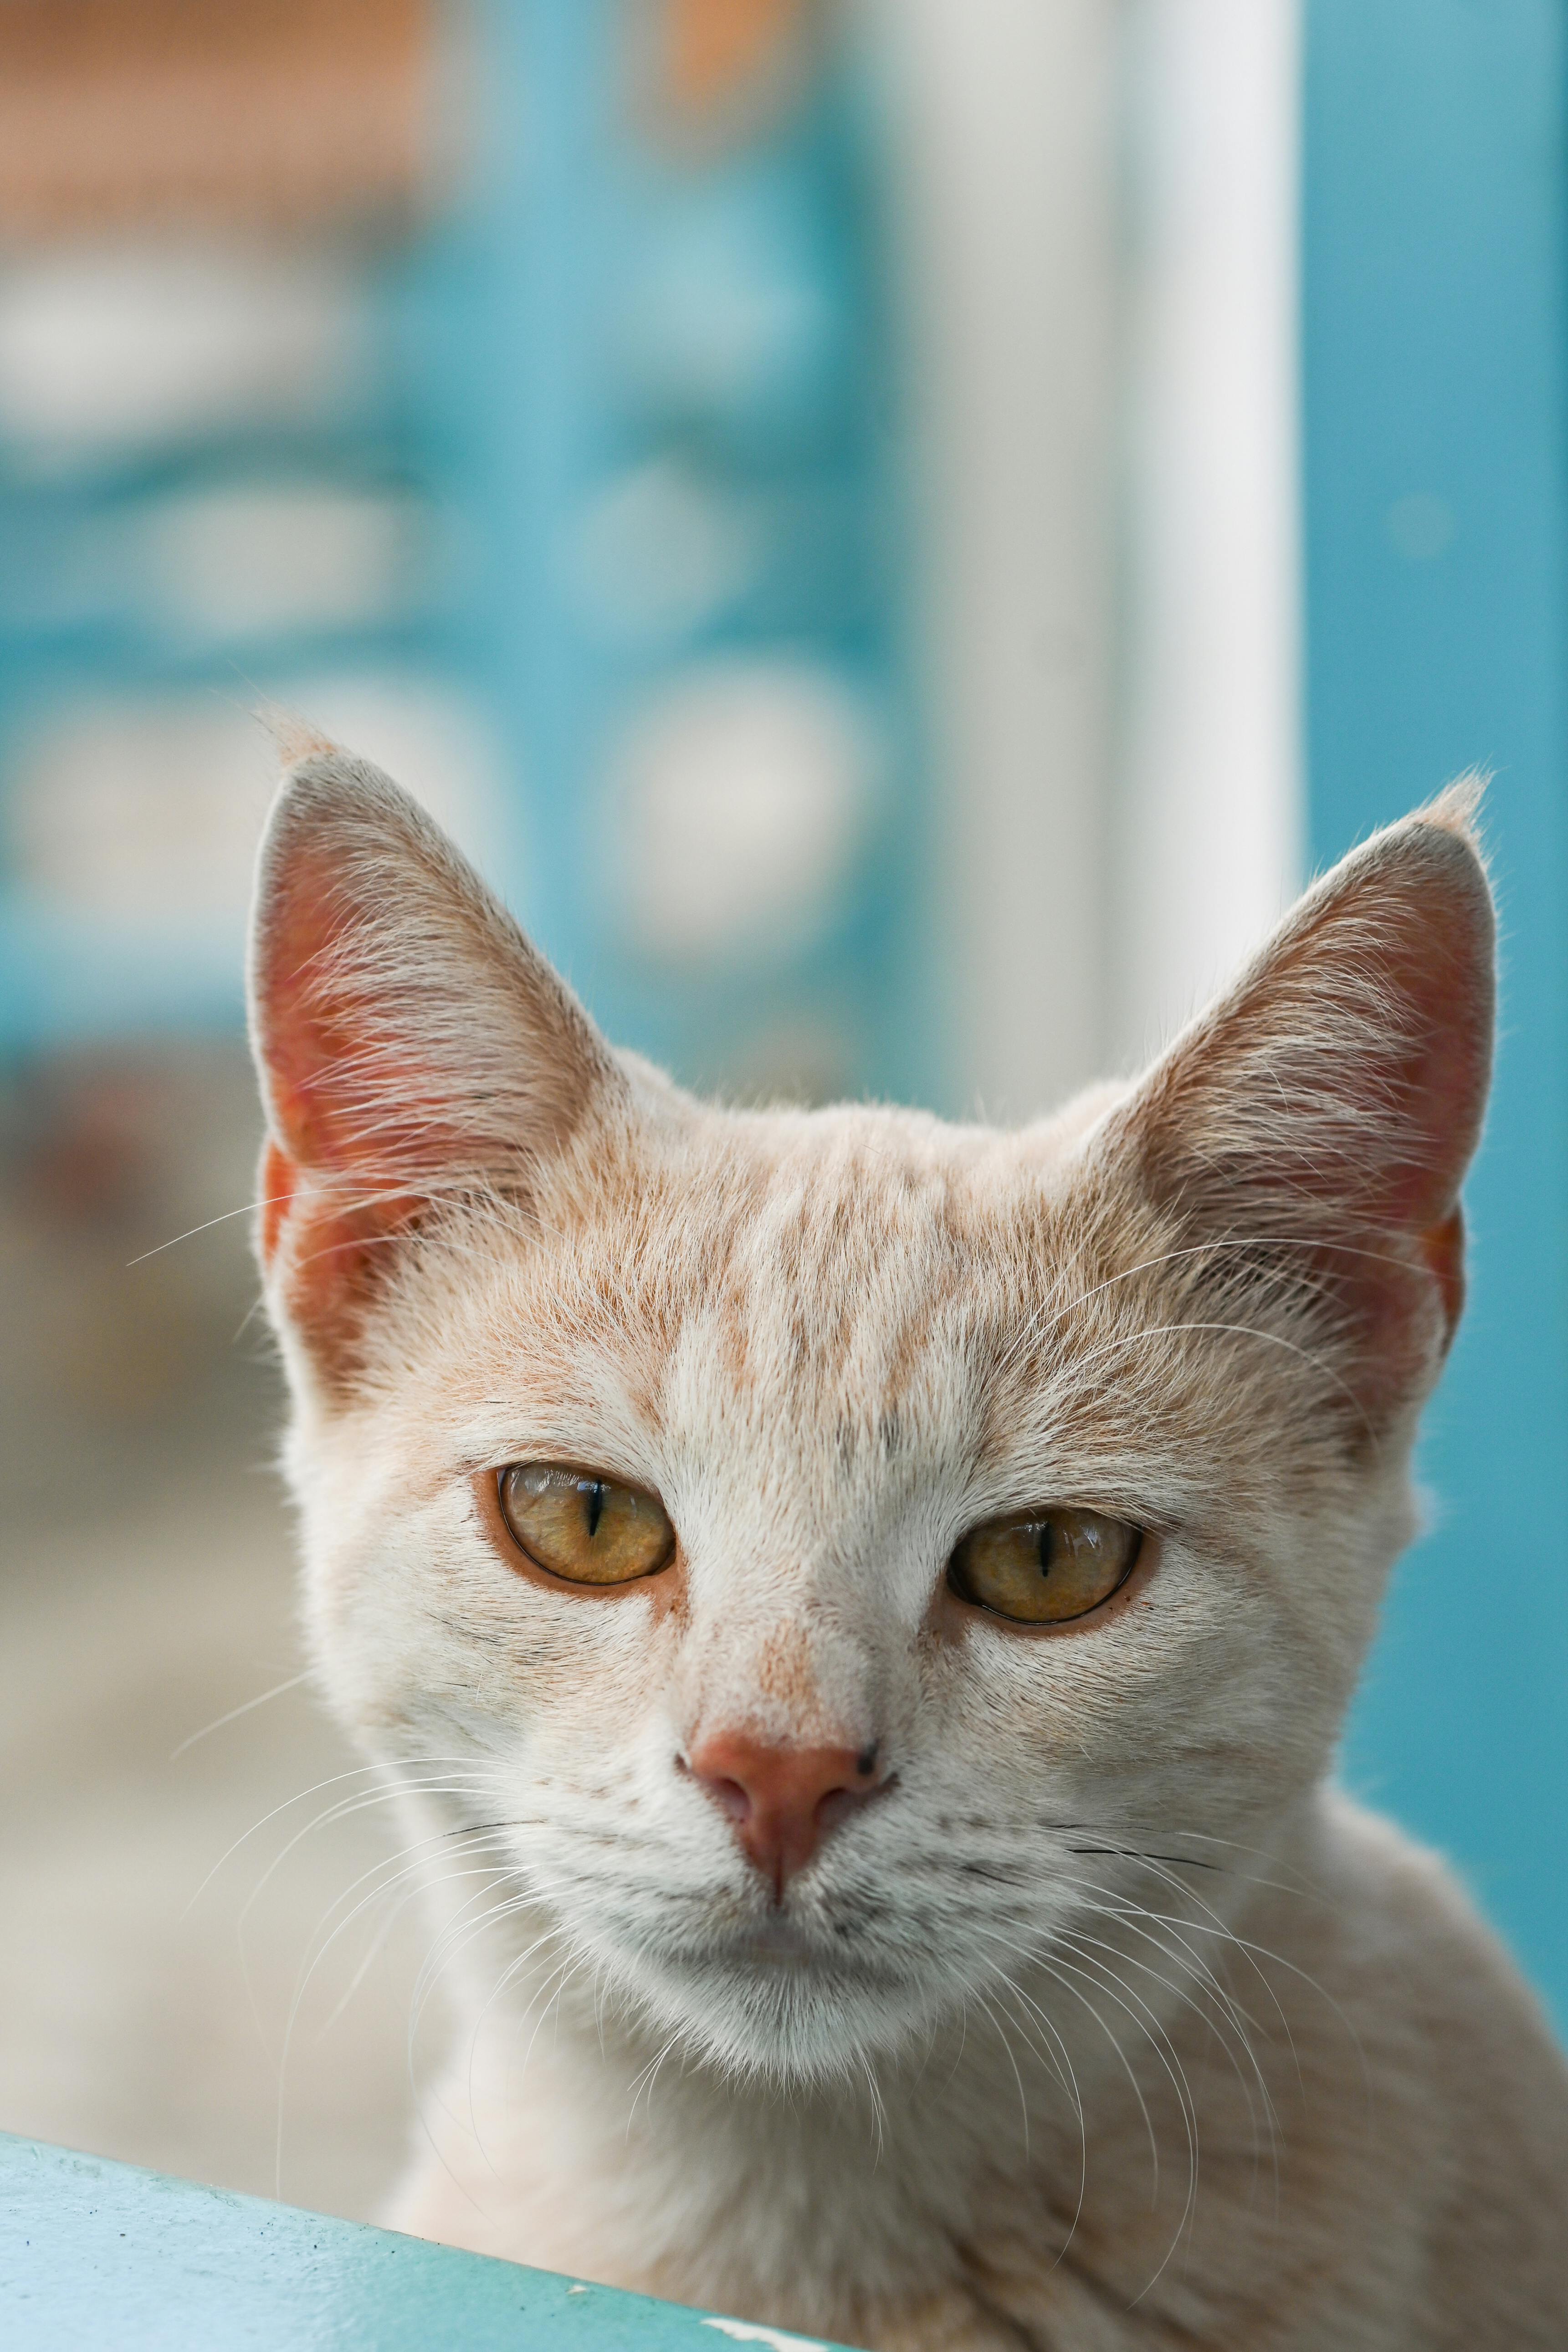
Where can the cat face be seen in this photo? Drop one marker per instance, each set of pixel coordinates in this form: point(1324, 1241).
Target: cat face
point(642, 1445)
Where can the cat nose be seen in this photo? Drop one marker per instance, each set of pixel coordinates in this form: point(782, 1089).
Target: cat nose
point(782, 1800)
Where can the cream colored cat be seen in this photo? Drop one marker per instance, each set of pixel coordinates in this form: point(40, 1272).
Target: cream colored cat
point(861, 1610)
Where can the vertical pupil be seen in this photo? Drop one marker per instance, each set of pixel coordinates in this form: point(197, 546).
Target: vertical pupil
point(593, 1499)
point(1046, 1544)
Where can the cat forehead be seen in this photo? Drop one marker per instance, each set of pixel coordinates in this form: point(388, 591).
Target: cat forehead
point(830, 1206)
point(804, 1310)
point(826, 1268)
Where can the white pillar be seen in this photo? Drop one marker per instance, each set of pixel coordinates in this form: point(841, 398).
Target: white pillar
point(1206, 844)
point(1005, 120)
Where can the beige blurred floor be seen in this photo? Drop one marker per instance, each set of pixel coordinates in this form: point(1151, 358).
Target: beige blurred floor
point(145, 1591)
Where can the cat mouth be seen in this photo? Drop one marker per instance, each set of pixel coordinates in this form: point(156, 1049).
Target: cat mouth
point(777, 1946)
point(775, 1942)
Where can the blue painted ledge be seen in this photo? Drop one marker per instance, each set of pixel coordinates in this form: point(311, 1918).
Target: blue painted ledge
point(94, 2254)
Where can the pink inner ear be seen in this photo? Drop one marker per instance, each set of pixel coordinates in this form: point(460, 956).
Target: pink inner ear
point(325, 1250)
point(348, 1104)
point(301, 922)
point(279, 1182)
point(379, 964)
point(356, 1110)
point(328, 1211)
point(329, 1055)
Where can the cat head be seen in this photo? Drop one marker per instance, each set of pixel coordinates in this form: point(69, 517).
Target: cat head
point(816, 1552)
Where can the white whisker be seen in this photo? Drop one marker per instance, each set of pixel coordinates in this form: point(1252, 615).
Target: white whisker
point(234, 1712)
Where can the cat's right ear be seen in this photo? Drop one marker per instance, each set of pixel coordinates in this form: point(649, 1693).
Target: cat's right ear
point(411, 1044)
point(1307, 1137)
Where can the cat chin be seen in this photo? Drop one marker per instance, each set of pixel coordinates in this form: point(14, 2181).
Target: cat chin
point(770, 2006)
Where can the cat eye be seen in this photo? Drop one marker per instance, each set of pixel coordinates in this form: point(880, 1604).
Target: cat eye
point(587, 1529)
point(1045, 1568)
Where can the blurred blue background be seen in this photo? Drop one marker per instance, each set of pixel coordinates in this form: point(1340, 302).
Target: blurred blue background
point(564, 465)
point(897, 533)
point(1435, 505)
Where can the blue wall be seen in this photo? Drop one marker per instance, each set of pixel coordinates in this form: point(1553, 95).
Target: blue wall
point(1437, 512)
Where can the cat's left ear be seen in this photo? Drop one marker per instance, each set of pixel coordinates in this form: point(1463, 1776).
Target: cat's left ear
point(411, 1044)
point(1309, 1134)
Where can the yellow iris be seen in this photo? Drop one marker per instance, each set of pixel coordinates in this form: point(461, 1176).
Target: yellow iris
point(584, 1528)
point(1045, 1568)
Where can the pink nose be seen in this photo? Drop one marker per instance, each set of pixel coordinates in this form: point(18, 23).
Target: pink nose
point(782, 1800)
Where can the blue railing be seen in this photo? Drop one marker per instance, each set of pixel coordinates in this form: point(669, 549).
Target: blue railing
point(99, 2253)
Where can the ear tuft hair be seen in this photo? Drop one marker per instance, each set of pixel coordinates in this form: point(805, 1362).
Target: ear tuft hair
point(295, 738)
point(1457, 809)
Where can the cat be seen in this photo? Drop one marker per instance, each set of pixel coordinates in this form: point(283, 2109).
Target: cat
point(858, 1611)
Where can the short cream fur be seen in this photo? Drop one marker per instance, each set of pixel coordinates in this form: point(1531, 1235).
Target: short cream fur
point(1109, 2023)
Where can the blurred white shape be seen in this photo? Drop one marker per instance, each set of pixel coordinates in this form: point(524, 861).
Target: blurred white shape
point(265, 558)
point(108, 349)
point(1005, 113)
point(743, 792)
point(1101, 225)
point(1209, 838)
point(659, 552)
point(148, 810)
point(134, 809)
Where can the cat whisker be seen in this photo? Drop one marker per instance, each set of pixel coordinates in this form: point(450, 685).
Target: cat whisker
point(245, 1208)
point(412, 1874)
point(1127, 1997)
point(305, 1978)
point(1033, 1329)
point(646, 2077)
point(1063, 2070)
point(1124, 1841)
point(413, 1881)
point(879, 2112)
point(1212, 1921)
point(331, 1814)
point(343, 1811)
point(1123, 1340)
point(424, 1984)
point(1127, 1853)
point(247, 1707)
point(456, 1937)
point(551, 1934)
point(334, 1780)
point(1050, 1969)
point(1150, 2023)
point(1001, 2036)
point(1086, 1946)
